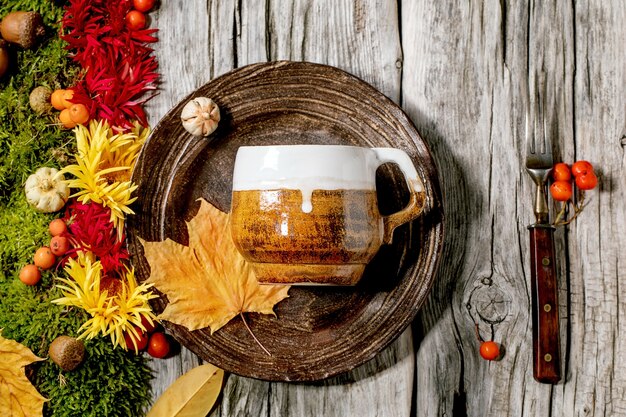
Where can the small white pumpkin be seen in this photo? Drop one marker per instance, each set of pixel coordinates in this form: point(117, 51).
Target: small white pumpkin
point(200, 116)
point(46, 190)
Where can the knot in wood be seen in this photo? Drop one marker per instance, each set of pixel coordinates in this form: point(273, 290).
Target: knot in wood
point(489, 302)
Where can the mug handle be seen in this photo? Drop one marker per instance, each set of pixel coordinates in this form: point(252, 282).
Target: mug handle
point(416, 189)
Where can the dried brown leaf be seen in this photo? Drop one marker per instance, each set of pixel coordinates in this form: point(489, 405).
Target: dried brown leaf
point(191, 395)
point(208, 282)
point(18, 397)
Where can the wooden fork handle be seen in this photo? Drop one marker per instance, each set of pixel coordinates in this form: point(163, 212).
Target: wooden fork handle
point(545, 306)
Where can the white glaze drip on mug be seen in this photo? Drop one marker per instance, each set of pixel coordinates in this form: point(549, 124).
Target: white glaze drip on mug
point(307, 194)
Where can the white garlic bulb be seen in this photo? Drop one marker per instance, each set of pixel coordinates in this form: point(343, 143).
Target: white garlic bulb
point(200, 116)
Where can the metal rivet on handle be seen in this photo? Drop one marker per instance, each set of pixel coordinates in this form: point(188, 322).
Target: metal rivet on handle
point(545, 261)
point(547, 307)
point(547, 357)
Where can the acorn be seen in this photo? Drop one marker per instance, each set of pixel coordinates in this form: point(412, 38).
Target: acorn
point(5, 59)
point(22, 28)
point(39, 99)
point(67, 352)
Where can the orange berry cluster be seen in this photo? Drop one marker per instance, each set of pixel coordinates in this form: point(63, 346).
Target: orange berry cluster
point(584, 177)
point(71, 114)
point(46, 256)
point(562, 190)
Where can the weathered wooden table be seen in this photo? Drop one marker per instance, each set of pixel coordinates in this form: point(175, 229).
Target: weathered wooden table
point(463, 72)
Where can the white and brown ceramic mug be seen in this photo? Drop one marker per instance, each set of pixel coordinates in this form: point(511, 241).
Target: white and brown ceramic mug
point(308, 214)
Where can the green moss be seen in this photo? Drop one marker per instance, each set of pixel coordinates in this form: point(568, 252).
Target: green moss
point(111, 382)
point(27, 139)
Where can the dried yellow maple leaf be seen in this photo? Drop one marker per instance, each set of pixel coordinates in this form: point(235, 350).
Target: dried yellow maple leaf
point(18, 397)
point(193, 394)
point(208, 282)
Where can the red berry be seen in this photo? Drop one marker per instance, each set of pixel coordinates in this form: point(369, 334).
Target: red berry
point(141, 342)
point(143, 5)
point(150, 327)
point(561, 190)
point(135, 20)
point(158, 346)
point(489, 350)
point(581, 167)
point(57, 227)
point(561, 172)
point(59, 245)
point(587, 181)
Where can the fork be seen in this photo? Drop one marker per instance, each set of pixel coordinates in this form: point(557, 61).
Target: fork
point(545, 307)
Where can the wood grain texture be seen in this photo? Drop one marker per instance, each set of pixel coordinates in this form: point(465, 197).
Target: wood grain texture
point(461, 70)
point(468, 72)
point(597, 370)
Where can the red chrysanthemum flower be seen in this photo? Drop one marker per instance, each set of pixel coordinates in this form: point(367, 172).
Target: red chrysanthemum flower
point(119, 68)
point(90, 229)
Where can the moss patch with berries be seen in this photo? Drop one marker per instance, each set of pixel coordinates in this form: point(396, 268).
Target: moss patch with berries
point(110, 382)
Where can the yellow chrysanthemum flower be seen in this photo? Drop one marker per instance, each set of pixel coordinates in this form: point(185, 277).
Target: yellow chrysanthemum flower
point(103, 166)
point(111, 314)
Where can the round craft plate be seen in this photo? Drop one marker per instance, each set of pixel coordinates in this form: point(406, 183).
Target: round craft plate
point(317, 332)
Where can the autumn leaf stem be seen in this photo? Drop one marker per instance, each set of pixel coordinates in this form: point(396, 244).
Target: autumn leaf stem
point(245, 323)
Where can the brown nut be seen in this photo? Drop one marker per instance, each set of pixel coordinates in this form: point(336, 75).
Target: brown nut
point(22, 28)
point(67, 352)
point(5, 59)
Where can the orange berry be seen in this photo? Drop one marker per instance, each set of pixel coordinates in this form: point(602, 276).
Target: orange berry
point(561, 190)
point(581, 167)
point(65, 119)
point(56, 99)
point(57, 227)
point(135, 20)
point(44, 258)
point(490, 350)
point(79, 114)
point(30, 274)
point(587, 181)
point(66, 97)
point(59, 245)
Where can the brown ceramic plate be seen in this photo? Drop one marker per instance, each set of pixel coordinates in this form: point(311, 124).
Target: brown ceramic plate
point(318, 332)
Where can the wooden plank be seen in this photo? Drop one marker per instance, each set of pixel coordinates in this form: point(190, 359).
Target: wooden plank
point(464, 81)
point(361, 37)
point(447, 63)
point(597, 372)
point(183, 28)
point(381, 388)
